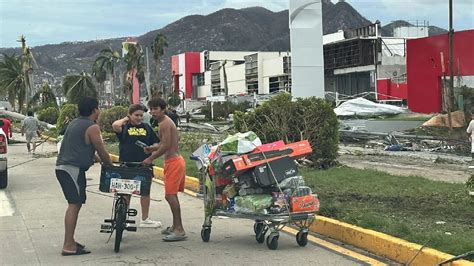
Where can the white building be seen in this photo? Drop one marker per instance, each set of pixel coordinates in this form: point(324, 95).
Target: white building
point(220, 73)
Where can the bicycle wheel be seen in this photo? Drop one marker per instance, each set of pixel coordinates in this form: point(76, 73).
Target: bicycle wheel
point(120, 217)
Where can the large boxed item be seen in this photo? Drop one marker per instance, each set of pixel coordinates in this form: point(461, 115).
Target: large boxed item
point(281, 169)
point(245, 162)
point(140, 173)
point(304, 204)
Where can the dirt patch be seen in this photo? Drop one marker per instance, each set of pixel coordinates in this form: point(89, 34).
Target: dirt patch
point(431, 166)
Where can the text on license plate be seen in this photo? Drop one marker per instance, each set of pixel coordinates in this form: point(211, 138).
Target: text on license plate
point(126, 186)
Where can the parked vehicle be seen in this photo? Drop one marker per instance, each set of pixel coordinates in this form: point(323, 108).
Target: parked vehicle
point(3, 158)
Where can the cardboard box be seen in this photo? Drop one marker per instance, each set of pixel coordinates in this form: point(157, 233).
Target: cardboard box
point(304, 204)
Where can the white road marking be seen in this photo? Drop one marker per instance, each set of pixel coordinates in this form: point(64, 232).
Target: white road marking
point(6, 208)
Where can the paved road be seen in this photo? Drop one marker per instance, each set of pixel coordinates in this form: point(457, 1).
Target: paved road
point(31, 227)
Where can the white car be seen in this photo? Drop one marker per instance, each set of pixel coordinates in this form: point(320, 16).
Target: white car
point(3, 159)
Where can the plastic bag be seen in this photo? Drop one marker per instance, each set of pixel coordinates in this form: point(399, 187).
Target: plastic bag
point(292, 182)
point(253, 203)
point(240, 143)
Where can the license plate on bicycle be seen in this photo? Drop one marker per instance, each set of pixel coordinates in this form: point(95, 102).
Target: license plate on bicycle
point(125, 186)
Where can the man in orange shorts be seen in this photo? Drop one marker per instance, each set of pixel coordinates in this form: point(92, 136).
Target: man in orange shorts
point(175, 166)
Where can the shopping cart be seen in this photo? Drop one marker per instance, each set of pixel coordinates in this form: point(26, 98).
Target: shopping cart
point(264, 223)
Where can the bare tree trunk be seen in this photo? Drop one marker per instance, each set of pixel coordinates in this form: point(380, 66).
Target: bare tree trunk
point(158, 73)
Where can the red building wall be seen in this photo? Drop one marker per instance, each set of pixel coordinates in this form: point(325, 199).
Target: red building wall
point(192, 66)
point(385, 89)
point(424, 71)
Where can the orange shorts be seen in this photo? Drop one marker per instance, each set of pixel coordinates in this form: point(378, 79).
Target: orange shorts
point(175, 172)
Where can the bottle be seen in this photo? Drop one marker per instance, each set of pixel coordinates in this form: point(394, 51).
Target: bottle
point(231, 205)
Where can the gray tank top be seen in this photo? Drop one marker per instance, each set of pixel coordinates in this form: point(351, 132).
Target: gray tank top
point(74, 149)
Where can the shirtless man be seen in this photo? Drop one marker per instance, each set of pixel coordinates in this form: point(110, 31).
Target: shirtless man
point(174, 166)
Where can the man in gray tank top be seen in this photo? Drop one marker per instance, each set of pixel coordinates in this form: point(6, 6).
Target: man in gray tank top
point(81, 139)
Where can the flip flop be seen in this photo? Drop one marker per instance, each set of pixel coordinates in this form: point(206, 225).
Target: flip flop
point(172, 237)
point(168, 230)
point(79, 251)
point(80, 245)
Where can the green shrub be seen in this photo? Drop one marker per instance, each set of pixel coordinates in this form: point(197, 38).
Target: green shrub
point(68, 111)
point(174, 100)
point(108, 116)
point(470, 183)
point(280, 118)
point(191, 141)
point(222, 110)
point(49, 115)
point(109, 137)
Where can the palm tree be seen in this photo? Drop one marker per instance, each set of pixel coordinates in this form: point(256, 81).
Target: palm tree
point(106, 63)
point(100, 76)
point(27, 61)
point(158, 48)
point(12, 80)
point(44, 97)
point(135, 67)
point(76, 87)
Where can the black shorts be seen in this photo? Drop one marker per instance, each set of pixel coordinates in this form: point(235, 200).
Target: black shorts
point(74, 189)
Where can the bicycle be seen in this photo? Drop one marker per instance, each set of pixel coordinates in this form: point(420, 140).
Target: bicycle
point(125, 179)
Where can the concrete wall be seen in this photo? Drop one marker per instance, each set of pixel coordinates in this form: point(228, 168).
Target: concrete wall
point(390, 71)
point(235, 79)
point(410, 32)
point(333, 37)
point(306, 36)
point(205, 90)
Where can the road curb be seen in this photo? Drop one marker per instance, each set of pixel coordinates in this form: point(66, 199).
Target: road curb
point(49, 139)
point(381, 244)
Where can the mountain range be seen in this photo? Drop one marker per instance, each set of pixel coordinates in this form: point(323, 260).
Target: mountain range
point(247, 29)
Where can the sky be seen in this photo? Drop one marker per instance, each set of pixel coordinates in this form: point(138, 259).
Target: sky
point(55, 21)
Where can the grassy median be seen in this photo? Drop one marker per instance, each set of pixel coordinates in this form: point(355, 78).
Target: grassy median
point(436, 214)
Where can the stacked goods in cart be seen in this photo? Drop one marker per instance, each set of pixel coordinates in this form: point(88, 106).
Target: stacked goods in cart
point(255, 178)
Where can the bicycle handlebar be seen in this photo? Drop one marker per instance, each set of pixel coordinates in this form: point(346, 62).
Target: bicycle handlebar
point(131, 164)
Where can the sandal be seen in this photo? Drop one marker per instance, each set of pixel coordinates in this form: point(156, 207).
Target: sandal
point(79, 251)
point(174, 237)
point(168, 230)
point(79, 245)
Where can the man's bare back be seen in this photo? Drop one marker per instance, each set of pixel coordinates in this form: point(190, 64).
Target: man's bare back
point(168, 132)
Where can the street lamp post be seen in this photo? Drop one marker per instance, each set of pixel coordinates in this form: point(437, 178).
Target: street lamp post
point(451, 70)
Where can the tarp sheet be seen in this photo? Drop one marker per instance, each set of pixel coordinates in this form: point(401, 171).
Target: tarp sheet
point(364, 107)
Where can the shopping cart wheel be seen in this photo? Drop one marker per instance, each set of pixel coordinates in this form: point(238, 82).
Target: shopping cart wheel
point(260, 236)
point(205, 234)
point(257, 227)
point(302, 238)
point(272, 241)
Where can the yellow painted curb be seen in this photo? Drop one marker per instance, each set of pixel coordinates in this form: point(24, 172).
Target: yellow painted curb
point(381, 244)
point(49, 139)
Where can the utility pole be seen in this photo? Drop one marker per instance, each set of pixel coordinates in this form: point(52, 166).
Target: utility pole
point(451, 70)
point(147, 74)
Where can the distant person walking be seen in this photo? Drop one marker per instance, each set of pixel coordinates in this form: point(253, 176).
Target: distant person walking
point(7, 127)
point(171, 113)
point(146, 116)
point(81, 139)
point(30, 127)
point(469, 130)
